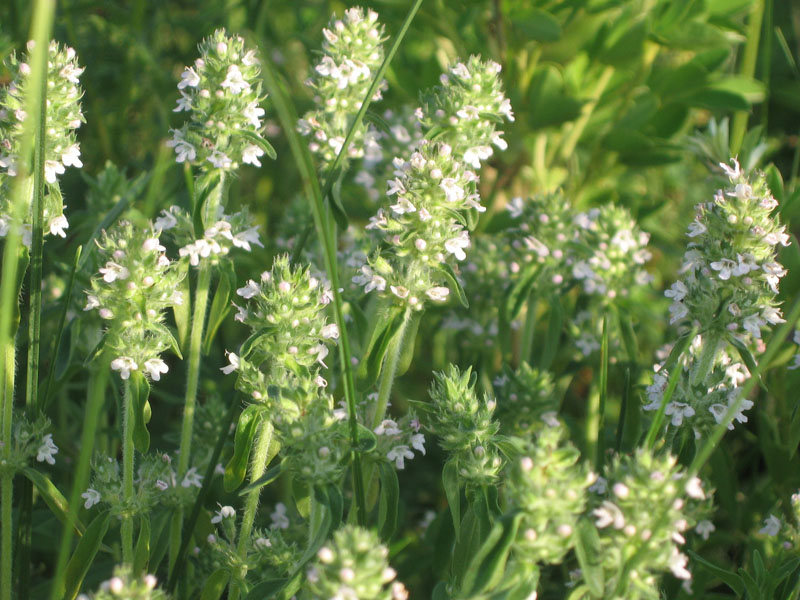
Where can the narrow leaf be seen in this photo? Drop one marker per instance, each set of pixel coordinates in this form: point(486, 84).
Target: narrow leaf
point(246, 428)
point(389, 499)
point(54, 499)
point(84, 554)
point(452, 490)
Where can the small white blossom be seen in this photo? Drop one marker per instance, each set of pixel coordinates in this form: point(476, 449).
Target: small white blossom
point(398, 454)
point(124, 364)
point(192, 479)
point(279, 518)
point(772, 525)
point(47, 450)
point(224, 512)
point(155, 367)
point(92, 497)
point(233, 366)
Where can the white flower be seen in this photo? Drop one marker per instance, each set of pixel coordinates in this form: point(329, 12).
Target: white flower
point(249, 290)
point(51, 169)
point(112, 271)
point(725, 267)
point(452, 191)
point(71, 156)
point(695, 489)
point(403, 206)
point(219, 159)
point(438, 293)
point(321, 352)
point(183, 149)
point(241, 313)
point(184, 103)
point(153, 245)
point(124, 364)
point(251, 154)
point(166, 221)
point(456, 245)
point(398, 454)
point(753, 324)
point(609, 514)
point(677, 291)
point(388, 427)
point(47, 450)
point(189, 78)
point(772, 525)
point(192, 478)
point(58, 225)
point(677, 564)
point(418, 443)
point(772, 315)
point(678, 310)
point(155, 367)
point(278, 517)
point(92, 497)
point(696, 228)
point(705, 528)
point(679, 411)
point(234, 81)
point(253, 113)
point(243, 239)
point(734, 172)
point(370, 280)
point(92, 301)
point(224, 512)
point(330, 331)
point(474, 156)
point(234, 364)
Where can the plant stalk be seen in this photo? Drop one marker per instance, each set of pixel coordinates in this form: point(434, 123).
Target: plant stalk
point(127, 475)
point(257, 467)
point(739, 125)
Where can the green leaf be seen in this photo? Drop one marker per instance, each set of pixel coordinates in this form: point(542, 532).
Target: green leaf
point(487, 566)
point(367, 440)
point(729, 578)
point(335, 201)
point(141, 555)
point(519, 291)
point(409, 339)
point(215, 584)
point(389, 500)
point(719, 100)
point(747, 358)
point(54, 499)
point(260, 142)
point(266, 589)
point(84, 554)
point(335, 503)
point(452, 490)
point(183, 311)
point(221, 305)
point(140, 392)
point(588, 551)
point(751, 585)
point(453, 283)
point(553, 339)
point(538, 25)
point(66, 349)
point(440, 591)
point(386, 326)
point(246, 429)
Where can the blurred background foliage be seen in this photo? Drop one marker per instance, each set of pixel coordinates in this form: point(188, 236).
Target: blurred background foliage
point(627, 101)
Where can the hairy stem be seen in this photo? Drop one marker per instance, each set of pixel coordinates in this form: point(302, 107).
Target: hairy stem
point(257, 467)
point(127, 475)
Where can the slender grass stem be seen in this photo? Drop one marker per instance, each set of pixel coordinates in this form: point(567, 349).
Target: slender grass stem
point(96, 386)
point(127, 474)
point(601, 413)
point(257, 467)
point(42, 23)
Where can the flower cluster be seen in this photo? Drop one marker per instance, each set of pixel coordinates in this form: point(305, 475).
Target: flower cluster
point(28, 440)
point(644, 509)
point(132, 291)
point(155, 481)
point(420, 226)
point(124, 586)
point(221, 92)
point(525, 400)
point(62, 117)
point(548, 486)
point(353, 565)
point(397, 439)
point(225, 233)
point(433, 197)
point(613, 252)
point(730, 272)
point(465, 109)
point(352, 52)
point(465, 426)
point(728, 291)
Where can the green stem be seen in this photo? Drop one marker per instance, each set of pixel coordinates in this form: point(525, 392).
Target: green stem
point(257, 467)
point(601, 413)
point(96, 395)
point(739, 126)
point(200, 307)
point(6, 524)
point(127, 475)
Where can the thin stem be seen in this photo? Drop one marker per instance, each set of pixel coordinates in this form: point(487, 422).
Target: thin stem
point(739, 126)
point(257, 467)
point(127, 474)
point(200, 307)
point(20, 200)
point(96, 395)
